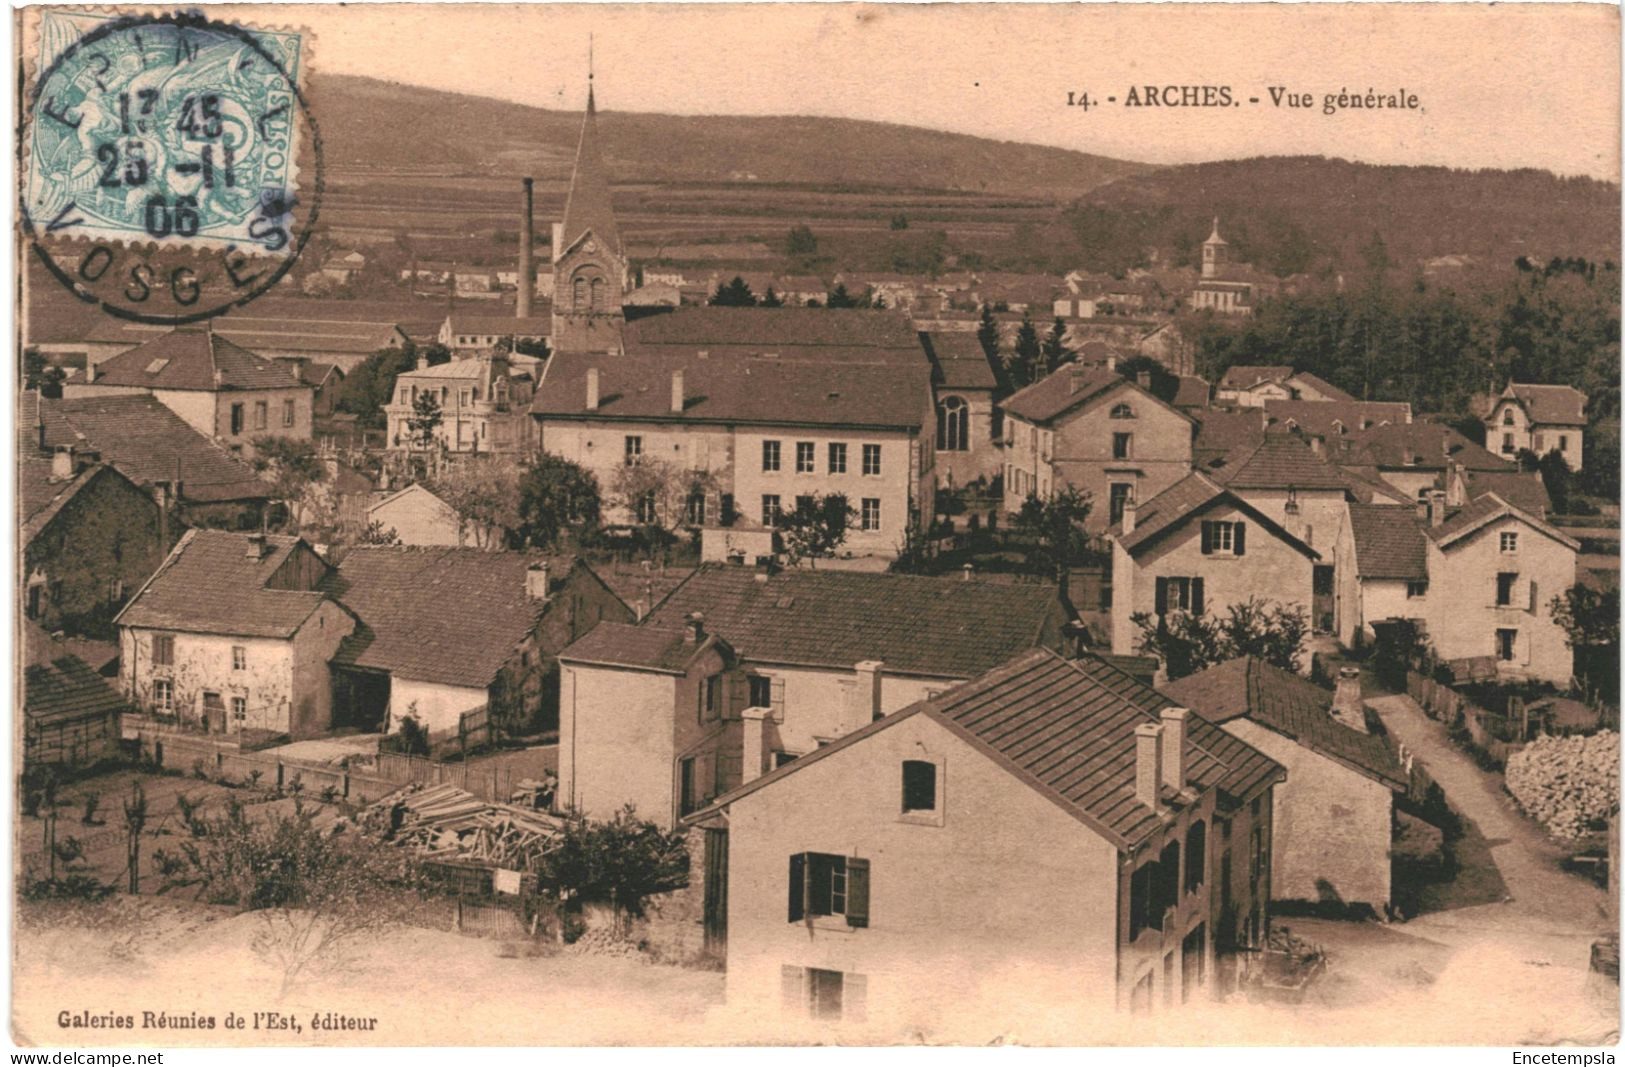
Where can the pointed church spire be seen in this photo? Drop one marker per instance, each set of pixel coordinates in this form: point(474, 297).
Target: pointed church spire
point(588, 206)
point(1214, 238)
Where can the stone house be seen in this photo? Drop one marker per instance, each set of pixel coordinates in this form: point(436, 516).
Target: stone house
point(1541, 418)
point(830, 896)
point(89, 538)
point(1334, 814)
point(1097, 432)
point(1199, 546)
point(482, 407)
point(443, 632)
point(221, 389)
point(231, 635)
point(806, 657)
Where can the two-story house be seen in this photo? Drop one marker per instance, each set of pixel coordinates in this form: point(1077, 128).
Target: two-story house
point(805, 657)
point(755, 435)
point(1136, 822)
point(1541, 418)
point(1258, 386)
point(481, 406)
point(1199, 546)
point(231, 635)
point(468, 334)
point(1095, 431)
point(221, 389)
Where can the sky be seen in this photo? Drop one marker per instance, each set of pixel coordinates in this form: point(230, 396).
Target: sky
point(1498, 86)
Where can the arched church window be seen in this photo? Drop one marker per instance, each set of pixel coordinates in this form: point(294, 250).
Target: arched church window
point(579, 300)
point(953, 424)
point(598, 294)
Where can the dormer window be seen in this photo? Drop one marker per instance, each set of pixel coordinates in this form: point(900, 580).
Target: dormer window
point(1508, 419)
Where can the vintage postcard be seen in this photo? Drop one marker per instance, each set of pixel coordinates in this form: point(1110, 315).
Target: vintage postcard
point(647, 524)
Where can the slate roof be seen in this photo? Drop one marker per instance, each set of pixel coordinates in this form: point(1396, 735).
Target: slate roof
point(938, 627)
point(773, 329)
point(1551, 405)
point(1245, 377)
point(1329, 392)
point(1291, 706)
point(1388, 542)
point(959, 360)
point(1279, 461)
point(147, 442)
point(623, 644)
point(588, 206)
point(1065, 728)
point(447, 615)
point(209, 585)
point(192, 358)
point(1334, 418)
point(736, 390)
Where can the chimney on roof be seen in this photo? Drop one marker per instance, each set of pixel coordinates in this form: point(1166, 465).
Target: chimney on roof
point(90, 368)
point(1111, 361)
point(677, 392)
point(537, 585)
point(1347, 706)
point(1074, 383)
point(1129, 508)
point(558, 241)
point(296, 367)
point(592, 388)
point(1148, 765)
point(694, 628)
point(1173, 747)
point(753, 742)
point(423, 362)
point(1143, 379)
point(257, 548)
point(866, 694)
point(968, 570)
point(527, 250)
point(219, 378)
point(62, 464)
point(1435, 507)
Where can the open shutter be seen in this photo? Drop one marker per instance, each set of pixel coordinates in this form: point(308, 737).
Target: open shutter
point(1207, 539)
point(1534, 593)
point(793, 988)
point(820, 882)
point(738, 694)
point(854, 998)
point(798, 886)
point(778, 700)
point(857, 892)
point(1241, 539)
point(1162, 596)
point(1197, 600)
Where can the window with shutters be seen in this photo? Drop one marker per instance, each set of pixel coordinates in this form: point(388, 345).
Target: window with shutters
point(820, 994)
point(823, 885)
point(1415, 590)
point(1180, 594)
point(1122, 445)
point(710, 699)
point(1505, 582)
point(261, 414)
point(1121, 494)
point(1506, 645)
point(687, 790)
point(236, 419)
point(1224, 538)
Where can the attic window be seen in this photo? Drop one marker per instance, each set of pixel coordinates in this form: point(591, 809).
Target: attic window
point(1122, 411)
point(784, 602)
point(157, 365)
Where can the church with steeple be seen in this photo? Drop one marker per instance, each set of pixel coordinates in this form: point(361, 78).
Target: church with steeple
point(590, 275)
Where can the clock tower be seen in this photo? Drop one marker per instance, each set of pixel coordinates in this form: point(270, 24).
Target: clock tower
point(589, 261)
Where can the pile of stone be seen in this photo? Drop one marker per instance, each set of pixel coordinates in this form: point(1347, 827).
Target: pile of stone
point(1569, 784)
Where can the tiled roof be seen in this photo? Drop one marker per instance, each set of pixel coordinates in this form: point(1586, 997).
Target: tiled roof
point(1328, 391)
point(623, 644)
point(1066, 729)
point(210, 585)
point(64, 689)
point(1193, 392)
point(1219, 431)
point(1388, 542)
point(501, 325)
point(1279, 461)
point(447, 615)
point(1551, 405)
point(148, 443)
point(1521, 489)
point(588, 206)
point(774, 329)
point(194, 357)
point(1289, 705)
point(40, 500)
point(456, 368)
point(1065, 390)
point(318, 374)
point(1335, 418)
point(1189, 496)
point(280, 333)
point(729, 389)
point(1245, 377)
point(940, 627)
point(1484, 509)
point(1421, 445)
point(960, 361)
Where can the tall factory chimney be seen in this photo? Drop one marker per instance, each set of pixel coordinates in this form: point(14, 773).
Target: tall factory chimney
point(527, 242)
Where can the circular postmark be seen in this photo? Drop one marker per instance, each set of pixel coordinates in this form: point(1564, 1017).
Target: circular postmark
point(164, 161)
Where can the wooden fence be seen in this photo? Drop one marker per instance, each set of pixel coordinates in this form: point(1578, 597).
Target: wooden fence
point(1497, 736)
point(493, 779)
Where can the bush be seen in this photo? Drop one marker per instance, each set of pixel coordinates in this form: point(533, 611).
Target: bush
point(1569, 784)
point(74, 886)
point(622, 862)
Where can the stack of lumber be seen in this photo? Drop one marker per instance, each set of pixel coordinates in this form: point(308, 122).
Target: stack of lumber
point(443, 822)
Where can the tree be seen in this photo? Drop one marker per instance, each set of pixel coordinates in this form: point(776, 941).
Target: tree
point(815, 528)
point(555, 495)
point(1164, 383)
point(1022, 363)
point(135, 821)
point(987, 332)
point(1055, 535)
point(1559, 481)
point(1055, 351)
point(370, 386)
point(657, 494)
point(802, 242)
point(376, 534)
point(1190, 641)
point(1185, 642)
point(621, 862)
point(899, 221)
point(770, 299)
point(734, 294)
point(424, 420)
point(294, 469)
point(1587, 617)
point(39, 373)
point(485, 495)
point(840, 298)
